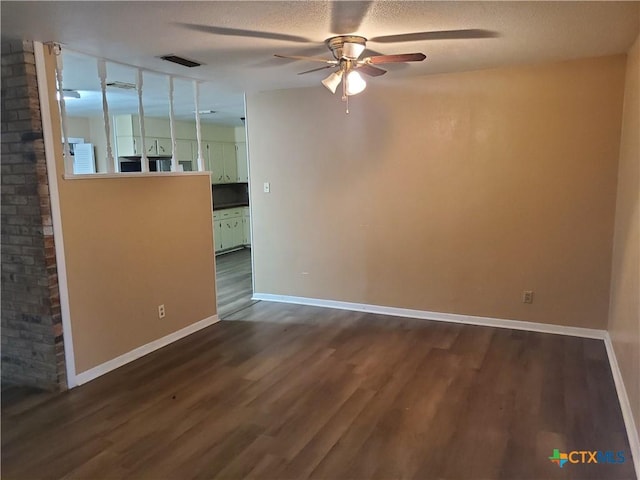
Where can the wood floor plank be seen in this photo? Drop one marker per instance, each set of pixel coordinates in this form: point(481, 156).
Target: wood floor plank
point(294, 392)
point(233, 281)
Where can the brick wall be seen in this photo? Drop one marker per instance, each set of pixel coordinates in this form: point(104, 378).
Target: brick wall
point(31, 329)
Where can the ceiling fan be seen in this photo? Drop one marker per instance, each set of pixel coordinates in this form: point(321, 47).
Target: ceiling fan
point(346, 50)
point(346, 47)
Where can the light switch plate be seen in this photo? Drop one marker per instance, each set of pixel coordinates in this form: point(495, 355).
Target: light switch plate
point(267, 187)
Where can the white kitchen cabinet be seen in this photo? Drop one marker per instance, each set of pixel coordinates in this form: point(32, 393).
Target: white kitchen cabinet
point(127, 147)
point(215, 162)
point(132, 146)
point(231, 233)
point(228, 229)
point(230, 164)
point(246, 227)
point(217, 235)
point(241, 161)
point(163, 147)
point(157, 147)
point(221, 158)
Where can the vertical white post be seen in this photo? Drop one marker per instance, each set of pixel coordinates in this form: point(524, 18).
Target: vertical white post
point(68, 162)
point(102, 73)
point(174, 159)
point(196, 102)
point(143, 160)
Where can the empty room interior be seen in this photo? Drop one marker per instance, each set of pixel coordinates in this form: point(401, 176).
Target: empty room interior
point(320, 239)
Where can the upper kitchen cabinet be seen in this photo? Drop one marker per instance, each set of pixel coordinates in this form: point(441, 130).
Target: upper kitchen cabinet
point(222, 162)
point(214, 162)
point(157, 137)
point(132, 146)
point(241, 157)
point(230, 162)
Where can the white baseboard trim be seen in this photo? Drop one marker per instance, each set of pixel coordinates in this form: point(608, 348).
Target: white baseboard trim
point(437, 316)
point(625, 406)
point(143, 350)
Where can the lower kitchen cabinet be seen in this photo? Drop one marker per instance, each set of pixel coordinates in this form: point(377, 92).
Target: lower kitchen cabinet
point(231, 233)
point(217, 234)
point(246, 227)
point(228, 229)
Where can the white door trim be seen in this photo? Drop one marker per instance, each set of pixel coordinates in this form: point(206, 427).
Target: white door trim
point(56, 217)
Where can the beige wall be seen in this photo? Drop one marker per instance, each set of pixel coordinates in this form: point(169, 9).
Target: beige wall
point(450, 193)
point(624, 312)
point(130, 245)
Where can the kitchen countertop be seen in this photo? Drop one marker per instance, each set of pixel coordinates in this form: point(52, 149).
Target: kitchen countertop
point(222, 206)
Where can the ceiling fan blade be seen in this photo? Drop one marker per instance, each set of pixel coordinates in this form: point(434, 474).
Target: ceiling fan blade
point(307, 51)
point(371, 70)
point(402, 57)
point(317, 69)
point(436, 35)
point(346, 17)
point(370, 53)
point(237, 32)
point(309, 59)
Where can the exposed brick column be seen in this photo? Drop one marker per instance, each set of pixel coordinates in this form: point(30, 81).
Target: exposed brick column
point(32, 342)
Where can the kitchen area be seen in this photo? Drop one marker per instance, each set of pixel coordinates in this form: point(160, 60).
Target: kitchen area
point(222, 147)
point(224, 155)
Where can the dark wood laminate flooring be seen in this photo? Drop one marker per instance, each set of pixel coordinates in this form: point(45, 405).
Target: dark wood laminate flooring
point(233, 281)
point(290, 392)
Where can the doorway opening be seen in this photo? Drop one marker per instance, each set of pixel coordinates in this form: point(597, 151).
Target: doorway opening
point(232, 226)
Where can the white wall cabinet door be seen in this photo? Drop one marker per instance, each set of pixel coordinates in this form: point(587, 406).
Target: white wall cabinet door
point(231, 233)
point(216, 162)
point(127, 147)
point(151, 146)
point(217, 235)
point(243, 166)
point(163, 147)
point(230, 164)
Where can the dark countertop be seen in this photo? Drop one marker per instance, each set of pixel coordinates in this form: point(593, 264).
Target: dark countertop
point(222, 206)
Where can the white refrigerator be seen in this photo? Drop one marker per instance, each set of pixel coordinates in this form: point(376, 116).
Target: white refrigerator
point(84, 160)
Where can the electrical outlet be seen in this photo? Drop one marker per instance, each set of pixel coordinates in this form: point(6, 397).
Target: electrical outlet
point(527, 296)
point(161, 312)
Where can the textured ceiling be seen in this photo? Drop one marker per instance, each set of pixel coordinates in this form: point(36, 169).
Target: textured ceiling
point(137, 33)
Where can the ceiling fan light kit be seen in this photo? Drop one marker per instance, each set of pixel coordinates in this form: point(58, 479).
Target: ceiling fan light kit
point(332, 81)
point(354, 83)
point(346, 51)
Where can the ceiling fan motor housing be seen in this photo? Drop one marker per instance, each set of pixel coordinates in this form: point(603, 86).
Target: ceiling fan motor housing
point(336, 45)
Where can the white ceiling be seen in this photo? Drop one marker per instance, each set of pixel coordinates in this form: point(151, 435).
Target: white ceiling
point(137, 33)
